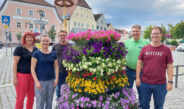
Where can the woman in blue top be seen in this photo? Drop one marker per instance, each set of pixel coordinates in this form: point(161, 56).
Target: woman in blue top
point(45, 71)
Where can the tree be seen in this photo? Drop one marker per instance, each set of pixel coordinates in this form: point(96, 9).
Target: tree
point(19, 36)
point(147, 32)
point(178, 31)
point(52, 34)
point(163, 33)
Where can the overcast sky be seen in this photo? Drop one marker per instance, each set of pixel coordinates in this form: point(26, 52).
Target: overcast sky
point(124, 13)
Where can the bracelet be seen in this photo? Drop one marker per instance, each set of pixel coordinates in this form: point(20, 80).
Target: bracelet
point(170, 82)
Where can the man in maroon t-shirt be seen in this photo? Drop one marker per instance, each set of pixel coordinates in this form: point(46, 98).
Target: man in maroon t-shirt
point(156, 59)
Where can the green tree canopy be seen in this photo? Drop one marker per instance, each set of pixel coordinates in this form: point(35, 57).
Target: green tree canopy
point(52, 33)
point(177, 31)
point(19, 36)
point(147, 32)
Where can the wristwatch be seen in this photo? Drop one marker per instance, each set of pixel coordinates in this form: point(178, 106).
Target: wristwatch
point(171, 82)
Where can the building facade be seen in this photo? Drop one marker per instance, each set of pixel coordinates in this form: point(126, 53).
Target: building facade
point(79, 16)
point(28, 15)
point(100, 22)
point(110, 27)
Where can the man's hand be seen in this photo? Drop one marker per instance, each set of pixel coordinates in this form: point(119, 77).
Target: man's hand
point(55, 82)
point(169, 87)
point(138, 82)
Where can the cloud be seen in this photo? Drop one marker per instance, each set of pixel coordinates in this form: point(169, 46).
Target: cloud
point(145, 12)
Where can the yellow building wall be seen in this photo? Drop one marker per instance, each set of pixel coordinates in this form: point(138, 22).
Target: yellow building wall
point(83, 16)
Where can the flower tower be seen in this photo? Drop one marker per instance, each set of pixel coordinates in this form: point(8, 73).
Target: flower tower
point(96, 75)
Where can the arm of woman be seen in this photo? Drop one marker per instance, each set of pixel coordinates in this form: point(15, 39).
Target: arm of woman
point(56, 67)
point(15, 63)
point(33, 72)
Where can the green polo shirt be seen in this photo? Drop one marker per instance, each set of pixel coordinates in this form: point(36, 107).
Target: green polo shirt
point(134, 48)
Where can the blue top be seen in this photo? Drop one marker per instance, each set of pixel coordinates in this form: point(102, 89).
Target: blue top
point(45, 65)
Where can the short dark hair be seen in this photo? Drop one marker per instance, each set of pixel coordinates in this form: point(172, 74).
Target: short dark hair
point(159, 28)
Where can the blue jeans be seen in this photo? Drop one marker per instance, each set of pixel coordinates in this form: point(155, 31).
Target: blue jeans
point(159, 92)
point(131, 74)
point(62, 77)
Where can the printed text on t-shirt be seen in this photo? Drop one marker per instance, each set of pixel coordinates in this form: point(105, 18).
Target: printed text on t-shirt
point(155, 53)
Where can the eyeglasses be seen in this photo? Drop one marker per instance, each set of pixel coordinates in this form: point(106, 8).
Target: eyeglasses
point(155, 33)
point(62, 35)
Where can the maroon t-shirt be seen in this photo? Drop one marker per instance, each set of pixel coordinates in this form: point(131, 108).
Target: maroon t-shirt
point(155, 60)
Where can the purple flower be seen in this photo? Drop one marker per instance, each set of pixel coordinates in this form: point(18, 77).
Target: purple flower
point(74, 95)
point(116, 95)
point(101, 98)
point(99, 104)
point(94, 103)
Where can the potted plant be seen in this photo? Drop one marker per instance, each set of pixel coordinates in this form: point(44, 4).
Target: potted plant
point(96, 73)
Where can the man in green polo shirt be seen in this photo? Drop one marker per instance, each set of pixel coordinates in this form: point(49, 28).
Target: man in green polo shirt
point(133, 46)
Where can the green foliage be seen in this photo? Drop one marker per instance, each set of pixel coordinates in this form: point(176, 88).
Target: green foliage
point(147, 32)
point(174, 42)
point(52, 33)
point(163, 32)
point(178, 31)
point(19, 36)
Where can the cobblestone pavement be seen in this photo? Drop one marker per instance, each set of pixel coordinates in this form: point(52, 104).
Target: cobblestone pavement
point(174, 98)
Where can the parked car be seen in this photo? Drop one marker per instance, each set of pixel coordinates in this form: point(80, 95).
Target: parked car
point(180, 48)
point(1, 45)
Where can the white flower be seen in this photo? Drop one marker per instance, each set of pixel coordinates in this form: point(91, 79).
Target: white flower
point(119, 62)
point(74, 70)
point(103, 65)
point(85, 66)
point(89, 63)
point(109, 64)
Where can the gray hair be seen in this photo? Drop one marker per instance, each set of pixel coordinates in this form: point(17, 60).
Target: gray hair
point(136, 26)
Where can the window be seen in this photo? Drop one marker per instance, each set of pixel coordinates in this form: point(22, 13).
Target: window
point(18, 11)
point(30, 26)
point(75, 24)
point(78, 24)
point(42, 27)
point(42, 14)
point(77, 14)
point(97, 27)
point(101, 28)
point(104, 28)
point(82, 25)
point(87, 26)
point(92, 26)
point(19, 25)
point(81, 15)
point(31, 13)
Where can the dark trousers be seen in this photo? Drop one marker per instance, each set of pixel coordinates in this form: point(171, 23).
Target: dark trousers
point(62, 77)
point(131, 74)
